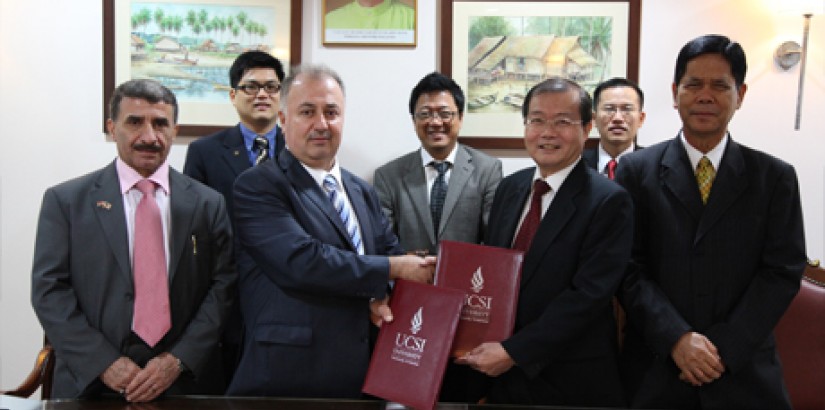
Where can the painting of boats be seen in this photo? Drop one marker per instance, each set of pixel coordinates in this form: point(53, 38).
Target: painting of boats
point(482, 101)
point(514, 99)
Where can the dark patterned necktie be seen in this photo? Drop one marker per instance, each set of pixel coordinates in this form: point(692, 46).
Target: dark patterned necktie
point(438, 193)
point(705, 175)
point(261, 149)
point(531, 222)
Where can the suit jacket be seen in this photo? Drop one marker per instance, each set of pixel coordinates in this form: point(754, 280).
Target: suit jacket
point(82, 287)
point(727, 270)
point(402, 187)
point(564, 342)
point(218, 159)
point(304, 291)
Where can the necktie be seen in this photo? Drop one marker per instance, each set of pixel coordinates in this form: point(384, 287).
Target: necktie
point(611, 168)
point(704, 177)
point(438, 193)
point(531, 222)
point(343, 209)
point(261, 147)
point(151, 318)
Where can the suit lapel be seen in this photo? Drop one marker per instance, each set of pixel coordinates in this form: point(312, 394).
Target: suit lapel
point(561, 210)
point(678, 178)
point(462, 170)
point(515, 202)
point(234, 152)
point(307, 188)
point(415, 184)
point(182, 202)
point(108, 207)
point(729, 184)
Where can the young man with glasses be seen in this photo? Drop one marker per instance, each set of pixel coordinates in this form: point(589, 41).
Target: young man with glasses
point(409, 185)
point(218, 159)
point(619, 113)
point(575, 227)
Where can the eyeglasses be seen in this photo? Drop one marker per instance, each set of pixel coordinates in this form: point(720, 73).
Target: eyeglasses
point(255, 88)
point(556, 124)
point(444, 116)
point(611, 110)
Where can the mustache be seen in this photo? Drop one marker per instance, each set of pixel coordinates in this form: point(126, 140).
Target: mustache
point(320, 134)
point(147, 147)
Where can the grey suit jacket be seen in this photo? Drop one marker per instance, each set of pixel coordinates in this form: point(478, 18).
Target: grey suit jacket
point(82, 289)
point(402, 188)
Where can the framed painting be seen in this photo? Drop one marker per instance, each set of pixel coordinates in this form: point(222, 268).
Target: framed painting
point(189, 45)
point(369, 22)
point(497, 50)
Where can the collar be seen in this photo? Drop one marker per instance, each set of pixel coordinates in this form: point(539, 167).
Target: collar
point(604, 157)
point(714, 155)
point(318, 174)
point(426, 158)
point(249, 136)
point(128, 177)
point(371, 11)
point(557, 178)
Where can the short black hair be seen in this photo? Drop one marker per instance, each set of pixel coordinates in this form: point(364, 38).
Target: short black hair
point(253, 59)
point(616, 83)
point(144, 89)
point(436, 81)
point(561, 85)
point(731, 51)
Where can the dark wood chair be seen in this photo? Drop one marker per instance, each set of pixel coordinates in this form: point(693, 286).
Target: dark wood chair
point(39, 377)
point(800, 341)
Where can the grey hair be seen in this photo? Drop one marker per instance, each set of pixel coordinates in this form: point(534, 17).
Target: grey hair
point(314, 71)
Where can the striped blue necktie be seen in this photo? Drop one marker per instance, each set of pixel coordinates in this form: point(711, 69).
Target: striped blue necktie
point(344, 211)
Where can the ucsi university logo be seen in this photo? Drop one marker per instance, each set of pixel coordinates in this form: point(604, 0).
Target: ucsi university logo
point(476, 305)
point(408, 347)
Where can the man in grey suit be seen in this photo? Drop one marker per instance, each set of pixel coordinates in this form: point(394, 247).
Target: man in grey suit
point(410, 186)
point(92, 272)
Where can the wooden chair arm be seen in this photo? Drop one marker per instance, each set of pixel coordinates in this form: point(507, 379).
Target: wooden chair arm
point(40, 375)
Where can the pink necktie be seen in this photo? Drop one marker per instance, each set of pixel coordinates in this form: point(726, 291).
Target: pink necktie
point(152, 319)
point(531, 222)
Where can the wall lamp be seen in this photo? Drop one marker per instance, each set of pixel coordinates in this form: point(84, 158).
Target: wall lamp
point(789, 53)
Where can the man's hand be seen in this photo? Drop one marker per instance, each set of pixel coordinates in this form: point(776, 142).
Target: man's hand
point(697, 358)
point(414, 268)
point(488, 358)
point(119, 374)
point(380, 311)
point(154, 379)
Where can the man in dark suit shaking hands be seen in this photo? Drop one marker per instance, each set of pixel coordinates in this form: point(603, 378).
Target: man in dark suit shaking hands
point(132, 278)
point(576, 229)
point(718, 250)
point(315, 255)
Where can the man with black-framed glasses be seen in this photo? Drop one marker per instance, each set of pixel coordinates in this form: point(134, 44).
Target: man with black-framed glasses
point(218, 159)
point(618, 106)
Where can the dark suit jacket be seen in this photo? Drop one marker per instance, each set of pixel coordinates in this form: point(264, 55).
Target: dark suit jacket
point(727, 270)
point(402, 187)
point(218, 159)
point(82, 288)
point(564, 343)
point(304, 291)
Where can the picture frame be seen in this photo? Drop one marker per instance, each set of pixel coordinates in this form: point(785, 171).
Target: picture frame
point(517, 44)
point(141, 42)
point(392, 23)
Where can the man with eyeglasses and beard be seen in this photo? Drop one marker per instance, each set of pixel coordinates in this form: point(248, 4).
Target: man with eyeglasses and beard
point(576, 229)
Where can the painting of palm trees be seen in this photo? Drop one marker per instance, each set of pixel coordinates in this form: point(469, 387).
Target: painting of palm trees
point(189, 47)
point(508, 55)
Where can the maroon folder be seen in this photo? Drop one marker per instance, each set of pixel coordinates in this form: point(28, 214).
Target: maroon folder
point(411, 352)
point(490, 276)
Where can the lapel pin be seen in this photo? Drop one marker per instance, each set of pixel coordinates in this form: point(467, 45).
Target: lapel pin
point(237, 153)
point(104, 204)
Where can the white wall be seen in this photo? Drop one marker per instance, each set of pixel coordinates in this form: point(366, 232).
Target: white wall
point(51, 99)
